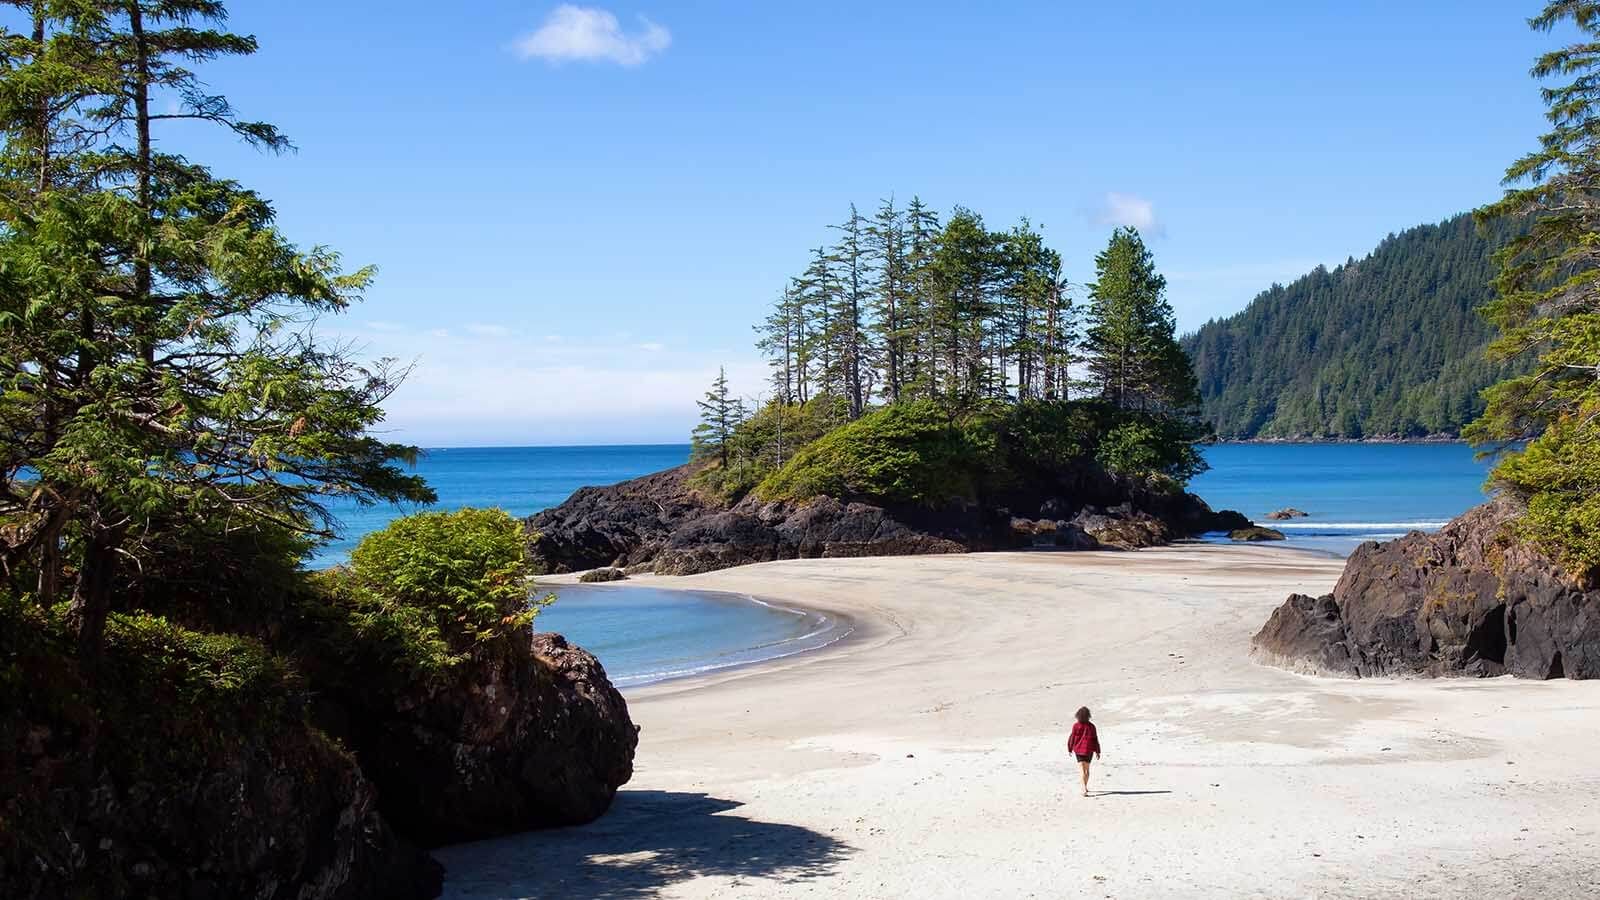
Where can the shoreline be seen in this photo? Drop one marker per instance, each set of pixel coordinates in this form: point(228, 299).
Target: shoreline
point(924, 758)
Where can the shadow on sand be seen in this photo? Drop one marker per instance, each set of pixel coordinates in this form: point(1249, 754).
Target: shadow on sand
point(648, 840)
point(1124, 793)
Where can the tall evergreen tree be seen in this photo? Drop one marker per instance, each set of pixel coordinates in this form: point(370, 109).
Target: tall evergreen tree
point(720, 413)
point(891, 306)
point(1548, 308)
point(1134, 358)
point(849, 258)
point(154, 324)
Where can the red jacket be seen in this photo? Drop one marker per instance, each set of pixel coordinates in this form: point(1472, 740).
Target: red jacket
point(1084, 739)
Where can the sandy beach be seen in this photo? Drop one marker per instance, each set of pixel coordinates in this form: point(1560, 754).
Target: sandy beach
point(924, 756)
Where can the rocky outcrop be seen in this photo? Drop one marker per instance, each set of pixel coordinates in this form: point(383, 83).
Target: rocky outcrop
point(1255, 533)
point(1289, 512)
point(660, 523)
point(527, 733)
point(619, 526)
point(601, 576)
point(1468, 600)
point(147, 782)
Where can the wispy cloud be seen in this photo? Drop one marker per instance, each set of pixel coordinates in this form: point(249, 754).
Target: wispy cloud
point(590, 34)
point(484, 330)
point(1127, 211)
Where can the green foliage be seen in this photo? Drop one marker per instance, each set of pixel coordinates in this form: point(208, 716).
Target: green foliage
point(155, 326)
point(1548, 311)
point(1133, 358)
point(916, 453)
point(1559, 475)
point(911, 452)
point(761, 444)
point(1391, 344)
point(431, 587)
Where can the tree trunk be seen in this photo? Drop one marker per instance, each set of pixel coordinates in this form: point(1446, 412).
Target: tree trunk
point(91, 599)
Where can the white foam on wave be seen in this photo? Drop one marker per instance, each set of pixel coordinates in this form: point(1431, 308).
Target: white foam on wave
point(1355, 526)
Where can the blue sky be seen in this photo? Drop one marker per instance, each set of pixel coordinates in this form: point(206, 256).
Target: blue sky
point(578, 213)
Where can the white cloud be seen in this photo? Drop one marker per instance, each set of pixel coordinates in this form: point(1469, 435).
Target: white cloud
point(389, 327)
point(482, 330)
point(652, 347)
point(1128, 211)
point(471, 388)
point(590, 34)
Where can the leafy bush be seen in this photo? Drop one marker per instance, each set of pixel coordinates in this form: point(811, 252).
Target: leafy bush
point(765, 441)
point(1558, 476)
point(918, 453)
point(432, 586)
point(907, 453)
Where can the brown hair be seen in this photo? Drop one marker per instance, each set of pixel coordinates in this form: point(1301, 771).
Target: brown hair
point(1082, 715)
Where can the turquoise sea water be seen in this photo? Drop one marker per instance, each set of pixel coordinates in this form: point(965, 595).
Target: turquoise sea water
point(1354, 492)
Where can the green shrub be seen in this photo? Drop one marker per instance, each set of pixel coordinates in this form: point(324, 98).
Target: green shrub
point(906, 453)
point(766, 440)
point(1558, 476)
point(430, 587)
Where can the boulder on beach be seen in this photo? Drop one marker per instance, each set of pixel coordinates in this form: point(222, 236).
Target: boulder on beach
point(602, 575)
point(527, 733)
point(1255, 533)
point(1471, 599)
point(1288, 512)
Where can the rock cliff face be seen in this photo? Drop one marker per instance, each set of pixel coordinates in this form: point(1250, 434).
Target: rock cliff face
point(1468, 600)
point(661, 523)
point(138, 789)
point(526, 733)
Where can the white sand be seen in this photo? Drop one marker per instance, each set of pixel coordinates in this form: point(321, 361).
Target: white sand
point(925, 758)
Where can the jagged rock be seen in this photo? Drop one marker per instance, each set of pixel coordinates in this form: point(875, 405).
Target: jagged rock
point(527, 733)
point(1255, 533)
point(600, 576)
point(1470, 599)
point(660, 523)
point(1287, 512)
point(620, 525)
point(1123, 528)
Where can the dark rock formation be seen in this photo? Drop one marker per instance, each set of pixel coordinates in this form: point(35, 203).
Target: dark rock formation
point(1255, 533)
point(1287, 512)
point(600, 576)
point(528, 733)
point(149, 786)
point(1468, 600)
point(622, 525)
point(660, 523)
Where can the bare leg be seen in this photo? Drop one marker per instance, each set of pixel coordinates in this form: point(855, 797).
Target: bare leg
point(1085, 767)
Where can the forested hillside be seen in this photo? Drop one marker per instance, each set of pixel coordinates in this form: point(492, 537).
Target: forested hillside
point(1390, 345)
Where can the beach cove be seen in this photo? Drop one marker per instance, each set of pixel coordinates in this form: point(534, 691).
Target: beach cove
point(924, 756)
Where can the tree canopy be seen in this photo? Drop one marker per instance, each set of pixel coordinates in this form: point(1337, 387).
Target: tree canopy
point(1546, 422)
point(158, 332)
point(1390, 345)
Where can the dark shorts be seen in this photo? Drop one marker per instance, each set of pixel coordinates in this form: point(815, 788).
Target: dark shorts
point(1084, 757)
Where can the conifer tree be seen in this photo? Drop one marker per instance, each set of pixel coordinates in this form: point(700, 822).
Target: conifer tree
point(891, 296)
point(720, 413)
point(154, 323)
point(1548, 308)
point(1134, 358)
point(849, 258)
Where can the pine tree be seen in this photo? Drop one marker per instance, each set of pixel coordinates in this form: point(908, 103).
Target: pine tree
point(153, 320)
point(1134, 358)
point(720, 414)
point(891, 306)
point(1547, 308)
point(849, 258)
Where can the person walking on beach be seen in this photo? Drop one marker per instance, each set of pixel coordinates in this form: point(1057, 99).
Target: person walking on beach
point(1084, 742)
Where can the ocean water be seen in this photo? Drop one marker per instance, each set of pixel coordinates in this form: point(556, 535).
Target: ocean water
point(1354, 492)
